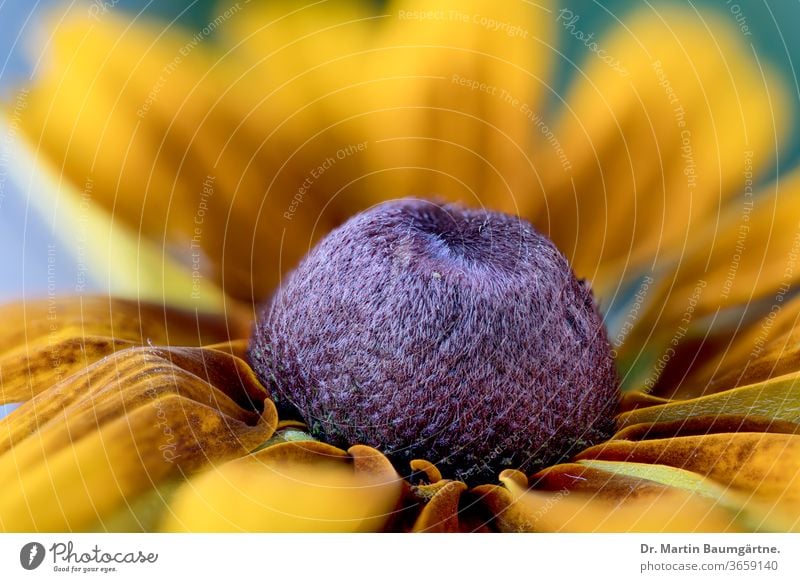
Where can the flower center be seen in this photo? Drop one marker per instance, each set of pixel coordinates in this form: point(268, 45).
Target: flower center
point(459, 336)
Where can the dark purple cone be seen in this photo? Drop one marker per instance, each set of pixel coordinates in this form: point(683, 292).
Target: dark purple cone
point(455, 335)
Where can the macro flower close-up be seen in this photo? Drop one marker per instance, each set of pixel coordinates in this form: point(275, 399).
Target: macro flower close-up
point(405, 266)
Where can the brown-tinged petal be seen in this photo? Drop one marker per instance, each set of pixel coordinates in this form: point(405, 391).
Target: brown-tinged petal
point(431, 471)
point(617, 481)
point(43, 342)
point(102, 441)
point(131, 378)
point(699, 425)
point(441, 513)
point(777, 399)
point(292, 486)
point(518, 510)
point(766, 464)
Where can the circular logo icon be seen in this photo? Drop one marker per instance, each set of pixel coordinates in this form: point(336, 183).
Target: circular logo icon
point(31, 555)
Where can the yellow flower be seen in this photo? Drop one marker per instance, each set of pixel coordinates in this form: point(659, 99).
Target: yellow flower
point(198, 169)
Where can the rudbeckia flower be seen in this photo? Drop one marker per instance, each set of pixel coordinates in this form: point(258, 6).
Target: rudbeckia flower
point(195, 170)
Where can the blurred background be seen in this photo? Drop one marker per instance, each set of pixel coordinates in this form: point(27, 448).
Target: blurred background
point(26, 237)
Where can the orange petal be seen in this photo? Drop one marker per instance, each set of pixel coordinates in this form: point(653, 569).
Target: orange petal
point(441, 513)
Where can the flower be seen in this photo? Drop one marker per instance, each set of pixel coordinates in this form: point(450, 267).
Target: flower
point(228, 153)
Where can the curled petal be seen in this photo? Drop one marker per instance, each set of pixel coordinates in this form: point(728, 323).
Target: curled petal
point(441, 513)
point(431, 471)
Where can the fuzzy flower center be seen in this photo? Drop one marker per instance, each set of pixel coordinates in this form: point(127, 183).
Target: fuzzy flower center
point(455, 335)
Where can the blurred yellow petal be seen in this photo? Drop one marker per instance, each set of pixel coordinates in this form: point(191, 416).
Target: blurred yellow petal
point(90, 446)
point(110, 254)
point(726, 297)
point(449, 98)
point(290, 487)
point(658, 143)
point(766, 464)
point(769, 348)
point(45, 341)
point(208, 174)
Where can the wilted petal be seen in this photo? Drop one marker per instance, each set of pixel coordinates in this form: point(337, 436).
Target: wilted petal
point(622, 480)
point(289, 487)
point(93, 444)
point(43, 342)
point(518, 510)
point(766, 464)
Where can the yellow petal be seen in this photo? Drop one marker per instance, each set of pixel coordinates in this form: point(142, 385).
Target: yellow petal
point(726, 298)
point(621, 480)
point(110, 254)
point(764, 463)
point(207, 173)
point(776, 399)
point(89, 447)
point(699, 425)
point(43, 342)
point(657, 143)
point(290, 487)
point(449, 101)
point(769, 348)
